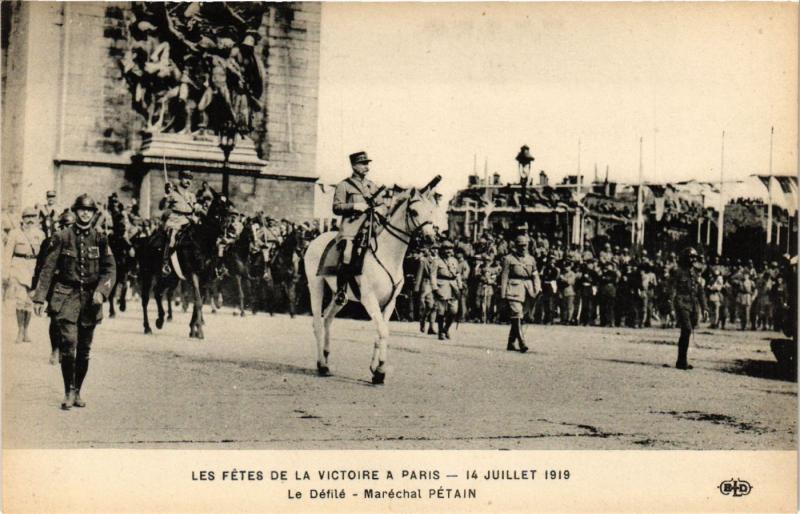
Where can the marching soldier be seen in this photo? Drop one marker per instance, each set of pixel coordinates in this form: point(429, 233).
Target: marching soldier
point(687, 298)
point(487, 281)
point(519, 281)
point(66, 219)
point(446, 284)
point(424, 289)
point(181, 204)
point(19, 261)
point(80, 269)
point(351, 200)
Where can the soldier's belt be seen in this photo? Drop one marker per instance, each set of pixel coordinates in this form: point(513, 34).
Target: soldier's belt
point(440, 277)
point(78, 285)
point(22, 256)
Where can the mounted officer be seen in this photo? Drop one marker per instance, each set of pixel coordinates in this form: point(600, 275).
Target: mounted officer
point(182, 204)
point(80, 268)
point(519, 281)
point(352, 200)
point(687, 300)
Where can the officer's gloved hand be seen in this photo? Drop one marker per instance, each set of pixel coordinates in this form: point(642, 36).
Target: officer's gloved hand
point(38, 308)
point(98, 298)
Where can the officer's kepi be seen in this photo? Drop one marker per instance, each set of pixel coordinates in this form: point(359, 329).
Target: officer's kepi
point(359, 158)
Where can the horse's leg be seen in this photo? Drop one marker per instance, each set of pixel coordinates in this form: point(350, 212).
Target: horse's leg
point(197, 312)
point(373, 308)
point(146, 278)
point(240, 292)
point(158, 292)
point(111, 312)
point(123, 292)
point(170, 294)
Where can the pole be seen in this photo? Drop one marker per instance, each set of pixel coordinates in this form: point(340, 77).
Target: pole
point(721, 209)
point(769, 189)
point(639, 217)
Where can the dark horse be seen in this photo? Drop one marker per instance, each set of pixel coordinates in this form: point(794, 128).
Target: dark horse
point(195, 251)
point(244, 261)
point(286, 268)
point(122, 250)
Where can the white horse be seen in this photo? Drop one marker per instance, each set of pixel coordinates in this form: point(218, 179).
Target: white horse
point(381, 278)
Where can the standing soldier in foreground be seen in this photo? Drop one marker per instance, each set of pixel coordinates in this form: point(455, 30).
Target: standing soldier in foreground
point(687, 300)
point(518, 282)
point(446, 284)
point(19, 263)
point(424, 290)
point(81, 270)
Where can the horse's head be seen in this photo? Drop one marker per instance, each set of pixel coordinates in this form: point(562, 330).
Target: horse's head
point(418, 207)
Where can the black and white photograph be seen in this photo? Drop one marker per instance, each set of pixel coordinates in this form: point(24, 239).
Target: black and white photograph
point(400, 226)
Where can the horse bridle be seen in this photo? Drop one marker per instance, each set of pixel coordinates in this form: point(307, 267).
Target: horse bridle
point(400, 233)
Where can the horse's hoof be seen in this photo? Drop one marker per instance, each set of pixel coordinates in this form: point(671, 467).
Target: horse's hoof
point(122, 306)
point(323, 371)
point(112, 315)
point(160, 323)
point(378, 377)
point(148, 330)
point(242, 314)
point(191, 335)
point(200, 335)
point(169, 318)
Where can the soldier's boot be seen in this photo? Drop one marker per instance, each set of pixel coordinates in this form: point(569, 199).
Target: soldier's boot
point(512, 337)
point(431, 320)
point(440, 323)
point(166, 269)
point(68, 374)
point(683, 350)
point(54, 356)
point(26, 321)
point(422, 323)
point(522, 347)
point(81, 368)
point(20, 323)
point(55, 337)
point(343, 273)
point(448, 322)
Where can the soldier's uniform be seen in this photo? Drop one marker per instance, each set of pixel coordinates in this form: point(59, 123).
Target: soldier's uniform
point(351, 201)
point(66, 219)
point(80, 268)
point(19, 263)
point(47, 215)
point(487, 281)
point(518, 282)
point(446, 284)
point(424, 291)
point(687, 301)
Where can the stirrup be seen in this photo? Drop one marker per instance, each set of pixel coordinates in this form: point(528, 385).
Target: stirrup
point(341, 296)
point(166, 269)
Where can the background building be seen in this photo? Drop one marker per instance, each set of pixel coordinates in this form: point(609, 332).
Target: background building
point(68, 124)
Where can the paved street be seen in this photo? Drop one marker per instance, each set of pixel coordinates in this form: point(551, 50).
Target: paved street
point(252, 384)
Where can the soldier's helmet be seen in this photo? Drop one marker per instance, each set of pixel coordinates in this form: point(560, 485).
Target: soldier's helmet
point(689, 255)
point(66, 219)
point(185, 174)
point(29, 212)
point(84, 201)
point(521, 240)
point(445, 245)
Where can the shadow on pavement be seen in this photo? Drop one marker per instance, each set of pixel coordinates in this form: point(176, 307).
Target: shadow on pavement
point(761, 369)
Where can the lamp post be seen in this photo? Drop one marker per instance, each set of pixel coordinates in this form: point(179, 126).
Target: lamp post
point(227, 142)
point(524, 160)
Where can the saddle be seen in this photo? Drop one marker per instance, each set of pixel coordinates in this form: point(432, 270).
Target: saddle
point(331, 256)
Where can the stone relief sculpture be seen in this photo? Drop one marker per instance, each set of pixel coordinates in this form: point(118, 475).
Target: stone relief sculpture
point(195, 66)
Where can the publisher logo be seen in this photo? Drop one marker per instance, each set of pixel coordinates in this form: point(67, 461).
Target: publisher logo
point(735, 488)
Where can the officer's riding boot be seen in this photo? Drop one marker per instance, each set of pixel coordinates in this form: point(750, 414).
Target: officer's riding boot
point(522, 347)
point(683, 350)
point(68, 374)
point(165, 267)
point(81, 367)
point(431, 320)
point(422, 318)
point(343, 274)
point(440, 324)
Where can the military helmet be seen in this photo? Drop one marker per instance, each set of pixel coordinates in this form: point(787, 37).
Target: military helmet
point(689, 255)
point(446, 245)
point(29, 212)
point(66, 219)
point(84, 201)
point(185, 174)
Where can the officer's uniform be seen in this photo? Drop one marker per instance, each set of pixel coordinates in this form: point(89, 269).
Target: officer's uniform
point(347, 196)
point(79, 263)
point(687, 300)
point(519, 281)
point(446, 284)
point(180, 203)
